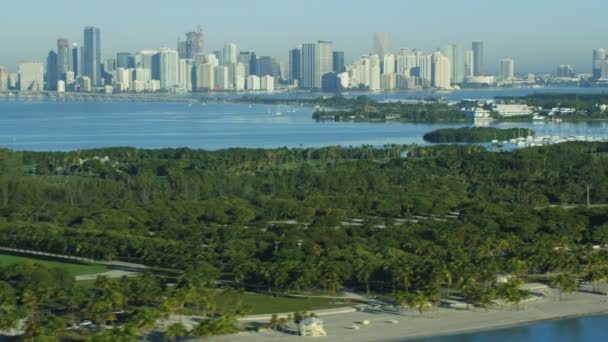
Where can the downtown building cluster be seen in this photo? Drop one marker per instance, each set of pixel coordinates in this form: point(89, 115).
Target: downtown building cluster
point(311, 66)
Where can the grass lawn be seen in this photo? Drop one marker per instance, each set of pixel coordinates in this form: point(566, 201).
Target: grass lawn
point(72, 268)
point(265, 304)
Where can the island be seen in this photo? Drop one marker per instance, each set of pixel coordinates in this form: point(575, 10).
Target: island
point(476, 134)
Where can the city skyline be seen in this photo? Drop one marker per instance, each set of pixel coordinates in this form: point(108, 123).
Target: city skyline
point(260, 30)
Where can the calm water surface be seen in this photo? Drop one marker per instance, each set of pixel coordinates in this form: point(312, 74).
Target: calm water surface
point(582, 329)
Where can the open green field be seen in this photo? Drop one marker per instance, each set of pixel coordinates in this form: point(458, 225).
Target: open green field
point(258, 304)
point(72, 268)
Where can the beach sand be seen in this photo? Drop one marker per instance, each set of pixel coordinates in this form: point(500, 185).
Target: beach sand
point(438, 322)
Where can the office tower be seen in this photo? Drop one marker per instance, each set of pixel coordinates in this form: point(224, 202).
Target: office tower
point(194, 45)
point(229, 54)
point(426, 70)
point(507, 70)
point(374, 73)
point(3, 78)
point(441, 71)
point(51, 71)
point(388, 64)
point(380, 45)
point(308, 66)
point(222, 77)
point(83, 84)
point(324, 62)
point(266, 66)
point(469, 63)
point(165, 62)
point(145, 59)
point(249, 60)
point(92, 55)
point(109, 65)
point(565, 70)
point(77, 60)
point(478, 57)
point(64, 55)
point(339, 62)
point(31, 76)
point(295, 64)
point(125, 60)
point(599, 55)
point(455, 53)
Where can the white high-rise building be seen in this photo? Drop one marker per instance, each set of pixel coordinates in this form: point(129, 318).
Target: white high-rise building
point(389, 64)
point(267, 83)
point(441, 71)
point(205, 76)
point(143, 75)
point(31, 76)
point(469, 63)
point(124, 77)
point(3, 78)
point(324, 62)
point(222, 77)
point(374, 73)
point(507, 70)
point(239, 77)
point(253, 83)
point(169, 68)
point(426, 69)
point(230, 54)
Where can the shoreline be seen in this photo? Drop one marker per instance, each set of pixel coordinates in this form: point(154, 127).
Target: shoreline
point(441, 322)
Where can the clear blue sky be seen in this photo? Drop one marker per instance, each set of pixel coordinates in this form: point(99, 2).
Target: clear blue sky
point(539, 34)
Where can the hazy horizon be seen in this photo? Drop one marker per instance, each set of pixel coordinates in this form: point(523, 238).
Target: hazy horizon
point(539, 35)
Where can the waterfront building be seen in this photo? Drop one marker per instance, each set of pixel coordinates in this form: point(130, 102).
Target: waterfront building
point(388, 81)
point(253, 83)
point(168, 65)
point(51, 71)
point(469, 64)
point(478, 58)
point(295, 65)
point(13, 80)
point(374, 73)
point(3, 78)
point(249, 60)
point(229, 54)
point(92, 55)
point(323, 62)
point(61, 86)
point(64, 57)
point(31, 76)
point(307, 80)
point(599, 55)
point(222, 77)
point(77, 60)
point(507, 70)
point(267, 83)
point(565, 70)
point(338, 57)
point(83, 84)
point(441, 73)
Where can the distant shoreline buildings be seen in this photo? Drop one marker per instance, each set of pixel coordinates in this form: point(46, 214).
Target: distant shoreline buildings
point(310, 66)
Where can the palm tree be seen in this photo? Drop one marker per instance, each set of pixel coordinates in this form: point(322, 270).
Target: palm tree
point(174, 331)
point(422, 302)
point(145, 320)
point(565, 283)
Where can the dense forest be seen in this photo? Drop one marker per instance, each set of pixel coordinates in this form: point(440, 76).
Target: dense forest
point(475, 134)
point(396, 219)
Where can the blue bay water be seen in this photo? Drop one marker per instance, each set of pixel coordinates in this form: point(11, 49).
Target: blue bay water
point(49, 125)
point(580, 329)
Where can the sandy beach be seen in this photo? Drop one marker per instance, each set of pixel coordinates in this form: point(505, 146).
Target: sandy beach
point(440, 321)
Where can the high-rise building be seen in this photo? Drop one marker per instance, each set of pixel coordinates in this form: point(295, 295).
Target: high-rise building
point(469, 63)
point(3, 78)
point(599, 55)
point(380, 44)
point(324, 62)
point(388, 64)
point(31, 76)
point(339, 62)
point(77, 60)
point(565, 70)
point(125, 60)
point(92, 55)
point(64, 55)
point(426, 70)
point(478, 57)
point(266, 66)
point(441, 71)
point(507, 70)
point(307, 79)
point(166, 61)
point(295, 64)
point(51, 71)
point(375, 78)
point(230, 54)
point(248, 59)
point(194, 45)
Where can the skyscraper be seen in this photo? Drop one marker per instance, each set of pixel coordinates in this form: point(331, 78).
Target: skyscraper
point(3, 78)
point(125, 60)
point(324, 61)
point(507, 70)
point(380, 45)
point(295, 64)
point(193, 46)
point(230, 54)
point(51, 71)
point(31, 76)
point(92, 55)
point(441, 71)
point(307, 80)
point(77, 60)
point(266, 66)
point(388, 62)
point(339, 62)
point(599, 55)
point(469, 63)
point(64, 55)
point(478, 56)
point(167, 63)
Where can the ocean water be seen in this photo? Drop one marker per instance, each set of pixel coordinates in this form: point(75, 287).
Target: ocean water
point(580, 329)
